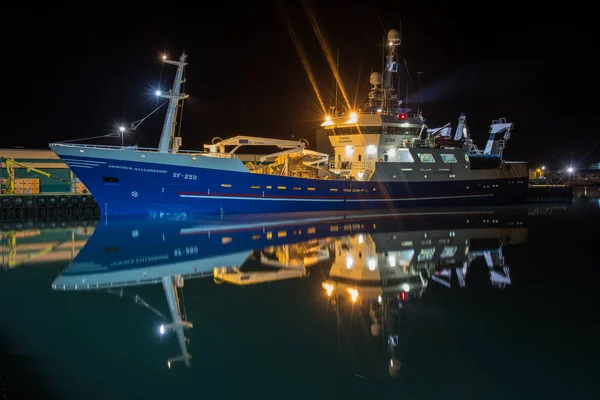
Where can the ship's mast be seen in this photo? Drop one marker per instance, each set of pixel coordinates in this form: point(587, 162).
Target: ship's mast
point(391, 66)
point(177, 324)
point(383, 95)
point(174, 95)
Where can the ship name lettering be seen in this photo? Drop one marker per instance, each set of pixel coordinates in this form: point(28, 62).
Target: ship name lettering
point(139, 260)
point(152, 170)
point(137, 169)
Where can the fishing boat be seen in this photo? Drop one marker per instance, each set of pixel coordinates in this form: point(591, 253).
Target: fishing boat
point(383, 157)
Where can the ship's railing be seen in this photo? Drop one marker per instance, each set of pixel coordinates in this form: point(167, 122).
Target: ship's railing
point(356, 165)
point(145, 149)
point(309, 171)
point(300, 171)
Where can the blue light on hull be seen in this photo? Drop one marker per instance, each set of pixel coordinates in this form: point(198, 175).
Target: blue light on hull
point(141, 188)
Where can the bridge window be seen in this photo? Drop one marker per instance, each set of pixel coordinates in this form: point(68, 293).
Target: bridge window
point(448, 158)
point(398, 130)
point(426, 254)
point(225, 185)
point(254, 187)
point(405, 156)
point(296, 188)
point(426, 157)
point(357, 130)
point(448, 251)
point(281, 187)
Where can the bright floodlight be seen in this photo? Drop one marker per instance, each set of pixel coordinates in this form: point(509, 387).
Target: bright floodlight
point(543, 168)
point(570, 169)
point(122, 128)
point(164, 57)
point(158, 92)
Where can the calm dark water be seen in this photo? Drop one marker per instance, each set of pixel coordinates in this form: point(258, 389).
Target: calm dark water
point(490, 303)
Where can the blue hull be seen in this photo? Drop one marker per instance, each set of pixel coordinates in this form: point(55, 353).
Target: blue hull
point(133, 188)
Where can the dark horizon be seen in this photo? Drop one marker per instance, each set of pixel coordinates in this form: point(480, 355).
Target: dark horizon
point(84, 76)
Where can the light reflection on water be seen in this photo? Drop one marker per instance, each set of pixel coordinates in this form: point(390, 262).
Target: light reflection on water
point(589, 194)
point(334, 297)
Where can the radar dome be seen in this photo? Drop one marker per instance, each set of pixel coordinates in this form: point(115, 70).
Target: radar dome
point(394, 35)
point(375, 78)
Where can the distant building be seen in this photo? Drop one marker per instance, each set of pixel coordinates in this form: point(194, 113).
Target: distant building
point(44, 160)
point(595, 166)
point(536, 173)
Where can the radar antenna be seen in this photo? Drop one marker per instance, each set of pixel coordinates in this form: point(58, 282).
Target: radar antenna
point(383, 96)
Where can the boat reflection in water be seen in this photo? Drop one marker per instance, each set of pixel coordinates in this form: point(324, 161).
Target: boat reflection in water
point(377, 263)
point(383, 272)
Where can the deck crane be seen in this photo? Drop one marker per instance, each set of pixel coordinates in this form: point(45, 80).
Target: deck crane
point(10, 182)
point(285, 262)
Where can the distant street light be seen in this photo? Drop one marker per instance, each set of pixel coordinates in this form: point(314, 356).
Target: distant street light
point(122, 130)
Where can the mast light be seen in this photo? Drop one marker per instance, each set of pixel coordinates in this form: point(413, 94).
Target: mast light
point(327, 121)
point(353, 118)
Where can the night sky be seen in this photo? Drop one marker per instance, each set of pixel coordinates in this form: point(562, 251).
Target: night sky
point(94, 67)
